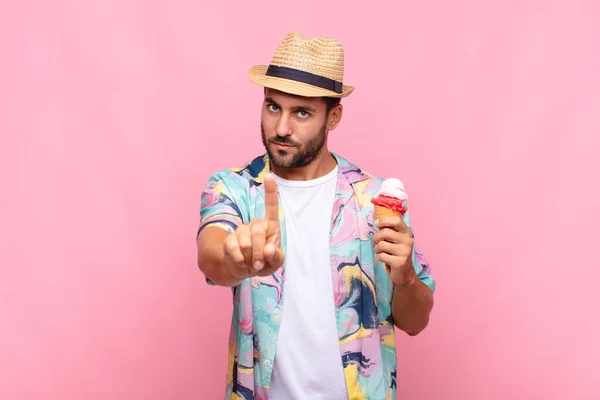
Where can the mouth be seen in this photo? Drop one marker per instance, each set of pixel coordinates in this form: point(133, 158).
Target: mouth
point(282, 145)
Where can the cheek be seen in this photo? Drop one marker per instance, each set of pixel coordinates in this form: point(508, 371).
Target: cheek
point(269, 124)
point(304, 132)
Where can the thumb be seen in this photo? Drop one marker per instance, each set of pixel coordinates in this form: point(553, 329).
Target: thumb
point(274, 252)
point(274, 261)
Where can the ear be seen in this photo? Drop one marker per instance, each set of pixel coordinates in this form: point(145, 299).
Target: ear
point(335, 116)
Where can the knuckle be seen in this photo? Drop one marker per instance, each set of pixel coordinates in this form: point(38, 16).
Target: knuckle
point(231, 242)
point(254, 221)
point(241, 232)
point(257, 229)
point(244, 240)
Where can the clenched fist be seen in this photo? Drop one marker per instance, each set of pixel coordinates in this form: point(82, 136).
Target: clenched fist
point(394, 246)
point(255, 249)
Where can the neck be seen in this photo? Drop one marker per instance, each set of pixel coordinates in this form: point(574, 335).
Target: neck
point(322, 165)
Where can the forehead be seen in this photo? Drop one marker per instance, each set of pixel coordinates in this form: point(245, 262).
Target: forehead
point(291, 100)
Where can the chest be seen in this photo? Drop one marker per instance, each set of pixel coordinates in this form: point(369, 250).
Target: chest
point(307, 212)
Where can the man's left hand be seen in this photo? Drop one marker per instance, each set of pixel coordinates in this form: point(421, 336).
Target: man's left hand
point(394, 247)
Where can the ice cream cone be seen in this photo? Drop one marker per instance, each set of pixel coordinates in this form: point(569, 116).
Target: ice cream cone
point(389, 201)
point(383, 212)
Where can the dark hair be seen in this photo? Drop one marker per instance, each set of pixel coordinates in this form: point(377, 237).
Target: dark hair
point(332, 102)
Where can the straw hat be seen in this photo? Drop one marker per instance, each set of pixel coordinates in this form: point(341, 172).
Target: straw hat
point(310, 67)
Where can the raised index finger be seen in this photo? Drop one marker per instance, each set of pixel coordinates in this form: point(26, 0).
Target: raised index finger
point(271, 199)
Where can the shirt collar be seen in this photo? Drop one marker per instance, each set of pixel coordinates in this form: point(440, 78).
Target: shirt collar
point(260, 166)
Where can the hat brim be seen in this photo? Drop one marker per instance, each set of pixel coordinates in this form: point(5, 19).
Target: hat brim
point(258, 75)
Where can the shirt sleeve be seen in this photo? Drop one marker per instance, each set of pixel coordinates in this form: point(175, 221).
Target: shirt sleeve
point(218, 208)
point(420, 262)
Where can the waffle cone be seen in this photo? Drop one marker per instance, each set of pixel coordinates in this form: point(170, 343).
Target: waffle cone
point(382, 212)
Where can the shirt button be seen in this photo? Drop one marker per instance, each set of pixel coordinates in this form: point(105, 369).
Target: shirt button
point(276, 311)
point(267, 363)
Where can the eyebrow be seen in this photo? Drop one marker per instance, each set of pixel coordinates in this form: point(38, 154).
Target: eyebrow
point(295, 108)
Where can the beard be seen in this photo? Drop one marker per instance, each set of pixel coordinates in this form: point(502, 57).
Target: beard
point(305, 153)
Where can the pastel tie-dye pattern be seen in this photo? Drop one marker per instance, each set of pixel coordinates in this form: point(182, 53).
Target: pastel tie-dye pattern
point(361, 287)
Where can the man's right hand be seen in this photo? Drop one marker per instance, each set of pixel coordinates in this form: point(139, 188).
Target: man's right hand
point(255, 249)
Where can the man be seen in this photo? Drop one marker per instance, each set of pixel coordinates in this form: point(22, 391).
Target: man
point(293, 234)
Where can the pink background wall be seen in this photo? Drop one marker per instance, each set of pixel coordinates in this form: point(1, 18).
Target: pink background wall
point(114, 113)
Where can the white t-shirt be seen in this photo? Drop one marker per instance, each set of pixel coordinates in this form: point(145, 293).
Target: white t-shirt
point(308, 363)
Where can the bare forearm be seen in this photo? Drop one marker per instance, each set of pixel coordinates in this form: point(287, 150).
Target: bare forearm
point(411, 307)
point(211, 257)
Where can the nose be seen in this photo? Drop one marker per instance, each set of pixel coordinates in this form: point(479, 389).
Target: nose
point(283, 127)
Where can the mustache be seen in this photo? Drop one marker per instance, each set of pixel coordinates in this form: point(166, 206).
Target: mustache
point(283, 140)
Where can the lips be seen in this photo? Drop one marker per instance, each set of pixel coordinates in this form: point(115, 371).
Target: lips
point(284, 145)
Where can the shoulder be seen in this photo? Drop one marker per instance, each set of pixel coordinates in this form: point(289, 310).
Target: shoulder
point(373, 183)
point(365, 182)
point(249, 173)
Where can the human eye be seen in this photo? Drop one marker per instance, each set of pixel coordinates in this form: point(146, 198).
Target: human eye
point(272, 107)
point(303, 114)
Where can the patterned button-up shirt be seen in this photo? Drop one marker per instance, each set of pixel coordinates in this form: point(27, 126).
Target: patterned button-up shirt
point(361, 287)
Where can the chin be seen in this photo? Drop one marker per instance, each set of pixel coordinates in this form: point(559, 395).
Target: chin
point(282, 162)
point(281, 154)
